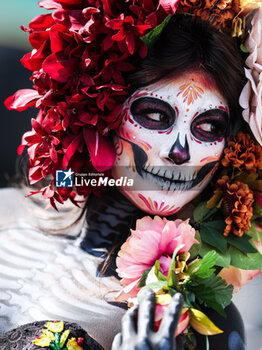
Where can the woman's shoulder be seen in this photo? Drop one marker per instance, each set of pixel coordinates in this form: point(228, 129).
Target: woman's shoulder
point(19, 208)
point(46, 275)
point(12, 204)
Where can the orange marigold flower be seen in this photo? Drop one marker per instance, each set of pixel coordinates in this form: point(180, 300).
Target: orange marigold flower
point(242, 153)
point(238, 199)
point(219, 13)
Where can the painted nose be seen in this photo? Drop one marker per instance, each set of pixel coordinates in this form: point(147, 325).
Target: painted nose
point(179, 154)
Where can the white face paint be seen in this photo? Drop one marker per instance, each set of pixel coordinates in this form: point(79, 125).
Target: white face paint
point(170, 141)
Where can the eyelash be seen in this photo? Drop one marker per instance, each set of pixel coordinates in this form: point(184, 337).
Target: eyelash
point(218, 128)
point(141, 110)
point(145, 109)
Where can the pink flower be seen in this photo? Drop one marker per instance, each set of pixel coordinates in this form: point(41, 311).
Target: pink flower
point(182, 324)
point(237, 277)
point(251, 96)
point(170, 6)
point(153, 239)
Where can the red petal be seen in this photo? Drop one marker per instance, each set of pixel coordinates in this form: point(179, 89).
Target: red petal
point(74, 145)
point(37, 127)
point(32, 151)
point(119, 36)
point(53, 153)
point(48, 192)
point(130, 41)
point(80, 341)
point(20, 149)
point(41, 22)
point(22, 99)
point(49, 4)
point(35, 174)
point(57, 42)
point(75, 3)
point(58, 67)
point(33, 60)
point(142, 50)
point(37, 39)
point(73, 20)
point(87, 118)
point(102, 151)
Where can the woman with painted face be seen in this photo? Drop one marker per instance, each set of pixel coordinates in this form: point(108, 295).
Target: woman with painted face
point(172, 137)
point(173, 131)
point(175, 124)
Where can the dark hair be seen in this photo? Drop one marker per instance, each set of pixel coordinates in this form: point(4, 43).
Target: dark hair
point(187, 43)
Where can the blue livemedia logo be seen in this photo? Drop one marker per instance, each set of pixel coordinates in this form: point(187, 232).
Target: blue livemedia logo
point(64, 178)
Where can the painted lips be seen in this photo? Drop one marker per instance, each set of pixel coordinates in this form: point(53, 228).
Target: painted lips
point(169, 180)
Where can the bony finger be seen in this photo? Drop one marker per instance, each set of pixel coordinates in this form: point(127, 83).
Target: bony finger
point(117, 342)
point(171, 317)
point(146, 314)
point(129, 323)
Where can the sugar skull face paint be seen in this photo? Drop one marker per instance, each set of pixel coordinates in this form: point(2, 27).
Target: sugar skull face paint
point(170, 141)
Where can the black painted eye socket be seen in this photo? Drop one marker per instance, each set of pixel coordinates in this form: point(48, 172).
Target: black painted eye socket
point(210, 126)
point(152, 113)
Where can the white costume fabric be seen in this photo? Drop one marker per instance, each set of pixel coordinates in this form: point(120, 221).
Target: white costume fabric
point(50, 277)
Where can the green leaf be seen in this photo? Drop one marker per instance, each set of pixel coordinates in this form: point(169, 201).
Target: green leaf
point(154, 285)
point(242, 48)
point(157, 267)
point(210, 213)
point(194, 250)
point(158, 274)
point(251, 261)
point(213, 291)
point(205, 268)
point(223, 260)
point(212, 233)
point(200, 211)
point(57, 339)
point(150, 38)
point(257, 213)
point(142, 282)
point(172, 291)
point(64, 338)
point(254, 232)
point(172, 281)
point(173, 262)
point(241, 243)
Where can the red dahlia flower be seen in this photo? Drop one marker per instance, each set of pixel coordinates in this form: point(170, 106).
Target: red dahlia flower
point(80, 54)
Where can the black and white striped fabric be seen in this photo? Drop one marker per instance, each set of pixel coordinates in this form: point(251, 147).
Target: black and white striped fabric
point(50, 277)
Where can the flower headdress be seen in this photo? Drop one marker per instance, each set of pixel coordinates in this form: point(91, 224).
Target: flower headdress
point(80, 54)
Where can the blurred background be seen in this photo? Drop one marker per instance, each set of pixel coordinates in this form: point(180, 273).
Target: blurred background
point(13, 76)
